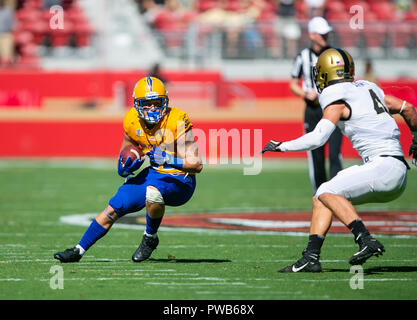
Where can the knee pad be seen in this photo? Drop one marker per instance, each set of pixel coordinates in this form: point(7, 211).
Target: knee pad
point(154, 196)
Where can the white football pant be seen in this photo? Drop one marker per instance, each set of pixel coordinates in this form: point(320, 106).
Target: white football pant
point(381, 179)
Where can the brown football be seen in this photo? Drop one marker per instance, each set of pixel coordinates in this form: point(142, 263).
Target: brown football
point(131, 151)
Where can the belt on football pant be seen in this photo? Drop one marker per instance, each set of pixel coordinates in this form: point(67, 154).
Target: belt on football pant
point(401, 158)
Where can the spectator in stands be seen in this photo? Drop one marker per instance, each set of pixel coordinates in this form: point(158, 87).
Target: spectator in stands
point(150, 10)
point(50, 3)
point(235, 19)
point(6, 36)
point(315, 7)
point(287, 29)
point(412, 13)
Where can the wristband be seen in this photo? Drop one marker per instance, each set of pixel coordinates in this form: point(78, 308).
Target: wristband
point(176, 163)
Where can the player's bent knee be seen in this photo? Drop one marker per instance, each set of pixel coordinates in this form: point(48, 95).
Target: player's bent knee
point(324, 188)
point(153, 195)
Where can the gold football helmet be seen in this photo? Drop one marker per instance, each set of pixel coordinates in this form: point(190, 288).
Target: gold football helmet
point(333, 66)
point(150, 99)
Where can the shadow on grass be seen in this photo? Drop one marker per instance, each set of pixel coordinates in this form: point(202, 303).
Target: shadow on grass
point(190, 260)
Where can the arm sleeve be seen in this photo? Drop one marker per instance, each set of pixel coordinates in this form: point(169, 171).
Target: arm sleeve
point(311, 140)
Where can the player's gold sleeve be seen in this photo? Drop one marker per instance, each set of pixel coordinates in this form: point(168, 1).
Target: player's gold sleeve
point(131, 123)
point(184, 124)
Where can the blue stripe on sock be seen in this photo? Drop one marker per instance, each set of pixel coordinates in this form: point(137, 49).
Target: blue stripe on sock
point(152, 224)
point(94, 232)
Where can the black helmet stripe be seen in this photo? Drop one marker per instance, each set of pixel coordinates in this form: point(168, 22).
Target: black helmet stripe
point(345, 60)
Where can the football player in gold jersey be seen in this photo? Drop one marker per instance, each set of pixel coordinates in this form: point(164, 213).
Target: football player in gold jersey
point(165, 134)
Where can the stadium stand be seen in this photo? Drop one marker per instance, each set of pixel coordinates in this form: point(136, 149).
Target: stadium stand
point(37, 25)
point(212, 30)
point(240, 22)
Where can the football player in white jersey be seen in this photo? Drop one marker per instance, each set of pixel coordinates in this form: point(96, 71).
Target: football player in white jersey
point(363, 113)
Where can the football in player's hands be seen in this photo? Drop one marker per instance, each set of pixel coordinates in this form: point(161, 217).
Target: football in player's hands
point(133, 152)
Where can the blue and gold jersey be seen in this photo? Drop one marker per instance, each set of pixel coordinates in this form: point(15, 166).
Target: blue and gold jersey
point(163, 135)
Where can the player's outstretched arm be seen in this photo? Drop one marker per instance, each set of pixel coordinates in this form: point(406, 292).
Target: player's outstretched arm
point(318, 136)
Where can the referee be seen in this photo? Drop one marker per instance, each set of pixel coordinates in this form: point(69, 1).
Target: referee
point(318, 31)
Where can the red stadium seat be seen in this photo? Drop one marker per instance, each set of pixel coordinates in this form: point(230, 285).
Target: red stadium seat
point(363, 4)
point(233, 5)
point(338, 16)
point(411, 16)
point(335, 6)
point(28, 56)
point(384, 11)
point(75, 14)
point(204, 5)
point(349, 38)
point(22, 37)
point(61, 37)
point(400, 34)
point(376, 33)
point(83, 32)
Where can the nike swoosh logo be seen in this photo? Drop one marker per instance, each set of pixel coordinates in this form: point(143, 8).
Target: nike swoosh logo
point(295, 269)
point(360, 251)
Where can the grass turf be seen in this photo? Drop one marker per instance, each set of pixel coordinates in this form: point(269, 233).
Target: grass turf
point(186, 265)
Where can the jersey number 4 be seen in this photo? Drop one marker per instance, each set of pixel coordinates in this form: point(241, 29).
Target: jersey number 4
point(378, 106)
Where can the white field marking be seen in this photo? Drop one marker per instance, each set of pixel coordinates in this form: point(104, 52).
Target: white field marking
point(365, 279)
point(302, 224)
point(238, 292)
point(26, 260)
point(326, 261)
point(12, 279)
point(223, 284)
point(85, 220)
point(13, 245)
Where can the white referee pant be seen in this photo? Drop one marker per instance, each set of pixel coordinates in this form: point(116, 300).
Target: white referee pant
point(380, 179)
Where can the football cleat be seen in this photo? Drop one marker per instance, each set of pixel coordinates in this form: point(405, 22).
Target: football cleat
point(145, 249)
point(69, 255)
point(309, 262)
point(368, 247)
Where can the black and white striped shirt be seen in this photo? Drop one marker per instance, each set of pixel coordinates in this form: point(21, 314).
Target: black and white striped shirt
point(303, 68)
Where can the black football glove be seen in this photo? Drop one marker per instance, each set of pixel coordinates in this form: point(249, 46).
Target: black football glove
point(271, 146)
point(413, 151)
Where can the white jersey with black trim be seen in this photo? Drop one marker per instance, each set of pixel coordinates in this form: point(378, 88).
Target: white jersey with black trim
point(370, 127)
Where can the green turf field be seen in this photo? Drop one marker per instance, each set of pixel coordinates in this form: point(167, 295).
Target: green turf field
point(186, 265)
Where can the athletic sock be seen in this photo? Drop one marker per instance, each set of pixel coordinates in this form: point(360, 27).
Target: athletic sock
point(315, 242)
point(357, 228)
point(152, 225)
point(94, 232)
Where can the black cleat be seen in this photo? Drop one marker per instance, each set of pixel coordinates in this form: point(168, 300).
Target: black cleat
point(145, 249)
point(69, 255)
point(368, 247)
point(309, 262)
